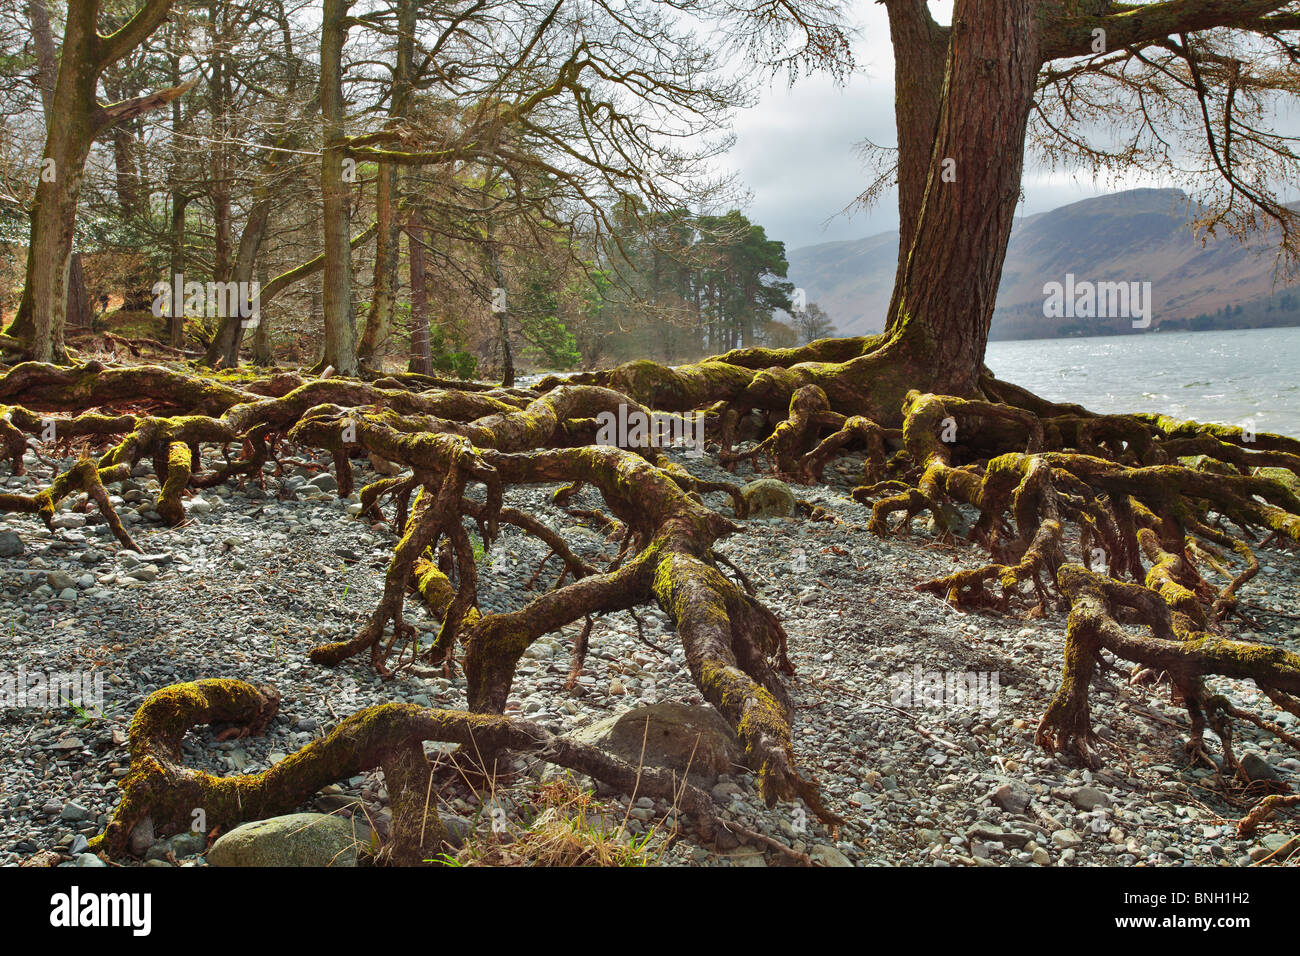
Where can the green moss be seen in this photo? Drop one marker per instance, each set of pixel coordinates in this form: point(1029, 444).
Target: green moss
point(179, 461)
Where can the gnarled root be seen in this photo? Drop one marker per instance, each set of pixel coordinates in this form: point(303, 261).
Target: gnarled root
point(1186, 655)
point(386, 736)
point(85, 476)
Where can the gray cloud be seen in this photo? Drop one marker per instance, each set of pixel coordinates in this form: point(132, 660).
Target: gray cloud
point(795, 150)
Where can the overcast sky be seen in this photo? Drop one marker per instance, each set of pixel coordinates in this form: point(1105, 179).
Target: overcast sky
point(795, 149)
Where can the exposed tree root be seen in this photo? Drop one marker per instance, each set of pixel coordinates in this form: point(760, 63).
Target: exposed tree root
point(83, 476)
point(449, 440)
point(1147, 502)
point(1265, 809)
point(387, 736)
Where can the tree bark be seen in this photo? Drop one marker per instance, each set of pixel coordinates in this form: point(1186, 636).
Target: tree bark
point(379, 317)
point(502, 314)
point(42, 310)
point(47, 74)
point(950, 279)
point(340, 332)
point(78, 303)
point(262, 354)
point(920, 61)
point(383, 295)
point(76, 119)
point(176, 311)
point(421, 355)
point(180, 201)
point(47, 59)
point(223, 351)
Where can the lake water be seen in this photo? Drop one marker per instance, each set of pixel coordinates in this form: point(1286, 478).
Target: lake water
point(1232, 377)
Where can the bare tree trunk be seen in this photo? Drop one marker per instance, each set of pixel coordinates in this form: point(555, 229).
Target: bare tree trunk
point(219, 170)
point(42, 310)
point(920, 60)
point(379, 317)
point(507, 356)
point(501, 307)
point(421, 355)
point(223, 351)
point(78, 306)
point(953, 265)
point(47, 74)
point(75, 120)
point(179, 203)
point(47, 58)
point(176, 311)
point(262, 354)
point(340, 332)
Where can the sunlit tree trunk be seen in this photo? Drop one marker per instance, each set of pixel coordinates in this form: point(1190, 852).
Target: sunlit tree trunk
point(920, 59)
point(421, 358)
point(76, 119)
point(949, 280)
point(340, 332)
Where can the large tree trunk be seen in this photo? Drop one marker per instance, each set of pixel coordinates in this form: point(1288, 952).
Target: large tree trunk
point(953, 264)
point(47, 75)
point(75, 120)
point(42, 310)
point(421, 355)
point(379, 317)
point(340, 332)
point(920, 60)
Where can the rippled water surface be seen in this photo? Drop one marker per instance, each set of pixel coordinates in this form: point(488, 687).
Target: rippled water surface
point(1248, 375)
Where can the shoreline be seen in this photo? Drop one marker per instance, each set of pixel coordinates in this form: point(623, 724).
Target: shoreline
point(251, 582)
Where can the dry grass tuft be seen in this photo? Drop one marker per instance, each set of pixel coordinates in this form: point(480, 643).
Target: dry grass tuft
point(572, 828)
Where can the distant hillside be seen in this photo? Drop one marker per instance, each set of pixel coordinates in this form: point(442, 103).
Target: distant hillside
point(1136, 236)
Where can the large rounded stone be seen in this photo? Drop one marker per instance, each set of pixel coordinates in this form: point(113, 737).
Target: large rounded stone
point(768, 498)
point(10, 544)
point(298, 839)
point(671, 732)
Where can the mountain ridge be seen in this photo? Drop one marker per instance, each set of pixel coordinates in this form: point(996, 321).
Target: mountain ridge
point(1138, 235)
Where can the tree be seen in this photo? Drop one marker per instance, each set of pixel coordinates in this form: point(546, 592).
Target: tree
point(335, 176)
point(539, 113)
point(1151, 498)
point(76, 119)
point(688, 283)
point(77, 310)
point(421, 360)
point(812, 323)
point(254, 174)
point(963, 127)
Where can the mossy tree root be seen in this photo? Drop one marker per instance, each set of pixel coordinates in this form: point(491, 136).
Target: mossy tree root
point(1187, 655)
point(730, 661)
point(85, 476)
point(178, 469)
point(389, 736)
point(809, 413)
point(1130, 483)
